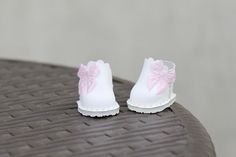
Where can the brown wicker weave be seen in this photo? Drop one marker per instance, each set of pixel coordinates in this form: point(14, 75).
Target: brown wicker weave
point(39, 118)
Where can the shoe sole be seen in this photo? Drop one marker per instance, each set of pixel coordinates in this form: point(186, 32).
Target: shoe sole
point(97, 113)
point(153, 109)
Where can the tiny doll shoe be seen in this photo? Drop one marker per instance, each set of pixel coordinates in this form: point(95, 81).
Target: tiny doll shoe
point(97, 98)
point(153, 92)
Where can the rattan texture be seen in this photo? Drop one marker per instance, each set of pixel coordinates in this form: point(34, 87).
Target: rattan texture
point(39, 118)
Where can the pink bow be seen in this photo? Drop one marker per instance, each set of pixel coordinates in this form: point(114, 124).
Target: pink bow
point(161, 76)
point(87, 75)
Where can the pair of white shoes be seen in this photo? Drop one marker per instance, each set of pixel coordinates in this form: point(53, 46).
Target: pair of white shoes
point(153, 92)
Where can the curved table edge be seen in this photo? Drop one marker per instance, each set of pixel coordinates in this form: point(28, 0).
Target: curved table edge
point(199, 141)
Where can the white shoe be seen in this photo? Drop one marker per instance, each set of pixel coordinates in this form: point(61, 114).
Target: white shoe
point(153, 92)
point(97, 98)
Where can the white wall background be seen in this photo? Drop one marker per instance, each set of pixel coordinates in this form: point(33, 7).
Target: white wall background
point(199, 35)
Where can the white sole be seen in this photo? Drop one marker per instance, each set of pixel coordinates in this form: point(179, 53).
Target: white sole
point(153, 108)
point(97, 113)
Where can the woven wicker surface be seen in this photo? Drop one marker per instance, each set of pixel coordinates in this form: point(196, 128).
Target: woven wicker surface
point(39, 118)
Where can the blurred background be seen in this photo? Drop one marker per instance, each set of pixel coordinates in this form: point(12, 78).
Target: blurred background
point(198, 35)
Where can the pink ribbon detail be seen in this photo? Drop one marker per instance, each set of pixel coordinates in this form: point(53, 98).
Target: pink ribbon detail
point(161, 76)
point(87, 75)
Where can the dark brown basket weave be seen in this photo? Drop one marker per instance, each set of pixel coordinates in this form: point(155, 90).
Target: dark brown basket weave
point(39, 118)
